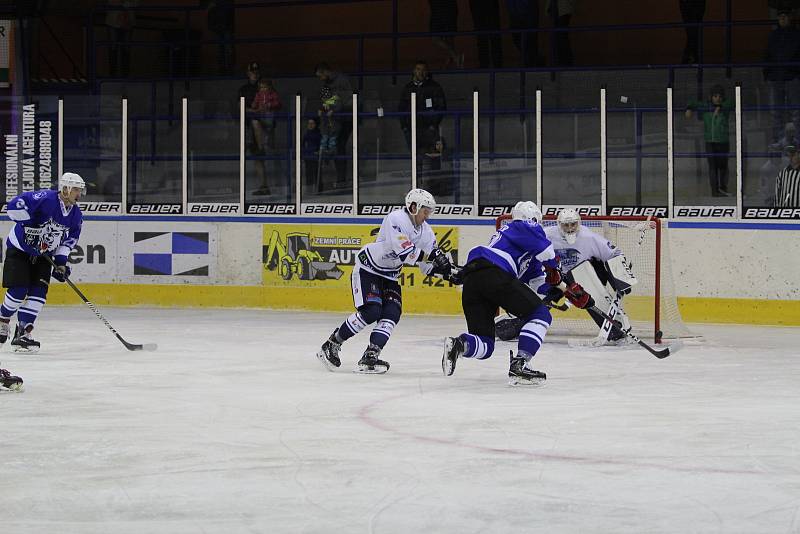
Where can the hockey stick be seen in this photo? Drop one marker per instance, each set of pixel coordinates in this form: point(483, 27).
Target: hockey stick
point(129, 346)
point(616, 325)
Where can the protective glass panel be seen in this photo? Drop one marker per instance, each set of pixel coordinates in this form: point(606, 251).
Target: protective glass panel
point(154, 152)
point(570, 155)
point(213, 151)
point(770, 115)
point(93, 144)
point(636, 151)
point(704, 144)
point(507, 139)
point(269, 163)
point(384, 156)
point(457, 132)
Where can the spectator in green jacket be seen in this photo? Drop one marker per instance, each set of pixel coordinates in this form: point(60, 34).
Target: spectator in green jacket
point(715, 115)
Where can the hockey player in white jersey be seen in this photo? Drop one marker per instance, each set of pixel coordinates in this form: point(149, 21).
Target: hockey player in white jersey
point(594, 262)
point(404, 237)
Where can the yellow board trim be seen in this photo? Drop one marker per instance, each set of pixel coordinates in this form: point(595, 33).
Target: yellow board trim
point(693, 310)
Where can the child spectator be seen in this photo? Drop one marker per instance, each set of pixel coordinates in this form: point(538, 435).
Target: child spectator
point(329, 125)
point(715, 115)
point(266, 103)
point(437, 169)
point(311, 144)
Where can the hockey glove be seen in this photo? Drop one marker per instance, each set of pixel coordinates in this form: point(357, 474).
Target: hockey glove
point(578, 297)
point(552, 276)
point(441, 264)
point(61, 272)
point(456, 278)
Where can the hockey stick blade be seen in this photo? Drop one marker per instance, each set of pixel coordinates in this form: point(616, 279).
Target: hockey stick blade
point(150, 347)
point(129, 346)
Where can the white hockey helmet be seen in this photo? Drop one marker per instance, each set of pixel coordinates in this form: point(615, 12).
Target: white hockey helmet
point(526, 211)
point(71, 180)
point(569, 222)
point(421, 198)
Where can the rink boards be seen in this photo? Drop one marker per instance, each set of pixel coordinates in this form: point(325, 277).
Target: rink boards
point(726, 272)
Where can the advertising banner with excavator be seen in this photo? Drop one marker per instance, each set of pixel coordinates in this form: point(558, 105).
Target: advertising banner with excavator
point(322, 257)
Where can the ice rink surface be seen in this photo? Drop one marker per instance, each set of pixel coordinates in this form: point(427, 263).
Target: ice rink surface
point(234, 426)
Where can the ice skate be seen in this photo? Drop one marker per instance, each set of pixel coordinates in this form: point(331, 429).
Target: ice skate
point(370, 363)
point(23, 341)
point(5, 329)
point(328, 354)
point(520, 374)
point(453, 350)
point(9, 382)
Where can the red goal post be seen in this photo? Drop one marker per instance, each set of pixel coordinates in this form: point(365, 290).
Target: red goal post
point(652, 305)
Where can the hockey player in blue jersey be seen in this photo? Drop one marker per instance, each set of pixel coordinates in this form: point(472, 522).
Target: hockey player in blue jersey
point(48, 222)
point(501, 274)
point(404, 237)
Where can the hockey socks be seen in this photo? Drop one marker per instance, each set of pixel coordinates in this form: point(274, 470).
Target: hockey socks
point(478, 347)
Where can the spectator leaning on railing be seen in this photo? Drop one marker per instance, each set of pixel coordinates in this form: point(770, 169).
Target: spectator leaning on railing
point(787, 184)
point(715, 115)
point(783, 47)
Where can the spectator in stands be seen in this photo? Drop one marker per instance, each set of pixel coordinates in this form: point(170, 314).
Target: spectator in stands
point(787, 184)
point(715, 115)
point(486, 16)
point(339, 84)
point(329, 124)
point(431, 103)
point(524, 15)
point(311, 145)
point(248, 91)
point(444, 18)
point(222, 21)
point(437, 169)
point(783, 46)
point(561, 11)
point(121, 23)
point(692, 11)
point(265, 104)
point(775, 5)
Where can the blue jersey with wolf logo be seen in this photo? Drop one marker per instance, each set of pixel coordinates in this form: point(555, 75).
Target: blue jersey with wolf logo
point(44, 224)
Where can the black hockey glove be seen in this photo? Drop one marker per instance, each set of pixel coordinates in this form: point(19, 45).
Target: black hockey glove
point(456, 277)
point(441, 264)
point(62, 272)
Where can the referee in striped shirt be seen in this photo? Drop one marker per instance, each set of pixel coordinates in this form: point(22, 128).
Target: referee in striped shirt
point(787, 185)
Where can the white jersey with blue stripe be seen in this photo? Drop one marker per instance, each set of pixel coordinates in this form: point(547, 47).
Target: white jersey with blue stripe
point(519, 248)
point(399, 243)
point(44, 223)
point(588, 245)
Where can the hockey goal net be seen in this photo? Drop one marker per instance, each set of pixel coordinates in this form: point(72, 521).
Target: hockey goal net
point(652, 306)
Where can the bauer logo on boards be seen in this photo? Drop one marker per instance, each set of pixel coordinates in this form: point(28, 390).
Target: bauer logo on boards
point(155, 209)
point(493, 211)
point(327, 209)
point(92, 208)
point(637, 211)
point(378, 209)
point(772, 213)
point(582, 210)
point(704, 211)
point(222, 209)
point(270, 209)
